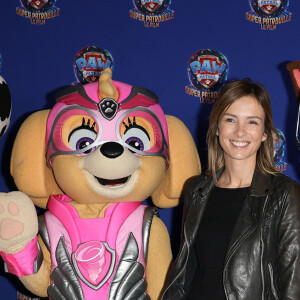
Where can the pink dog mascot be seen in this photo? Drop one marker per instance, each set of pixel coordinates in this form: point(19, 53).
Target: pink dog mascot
point(103, 149)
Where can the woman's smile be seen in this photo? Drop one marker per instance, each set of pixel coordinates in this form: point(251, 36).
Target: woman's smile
point(240, 144)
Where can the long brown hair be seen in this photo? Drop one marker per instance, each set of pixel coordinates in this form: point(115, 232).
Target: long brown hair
point(231, 92)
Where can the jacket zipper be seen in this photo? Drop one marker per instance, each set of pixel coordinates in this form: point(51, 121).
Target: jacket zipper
point(262, 251)
point(261, 256)
point(272, 281)
point(228, 259)
point(226, 263)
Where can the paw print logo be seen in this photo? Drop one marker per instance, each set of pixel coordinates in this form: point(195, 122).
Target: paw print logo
point(108, 108)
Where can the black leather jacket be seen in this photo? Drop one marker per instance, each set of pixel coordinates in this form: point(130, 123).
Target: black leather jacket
point(263, 256)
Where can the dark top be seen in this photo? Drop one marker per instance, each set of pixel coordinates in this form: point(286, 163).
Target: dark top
point(219, 217)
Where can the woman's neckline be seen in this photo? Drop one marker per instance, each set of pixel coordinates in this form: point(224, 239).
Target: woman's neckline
point(237, 188)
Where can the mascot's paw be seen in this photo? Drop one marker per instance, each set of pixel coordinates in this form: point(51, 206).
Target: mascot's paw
point(18, 221)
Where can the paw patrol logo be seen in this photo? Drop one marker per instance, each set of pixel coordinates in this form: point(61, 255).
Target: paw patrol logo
point(37, 4)
point(90, 62)
point(207, 71)
point(152, 6)
point(268, 13)
point(269, 7)
point(151, 12)
point(279, 150)
point(38, 11)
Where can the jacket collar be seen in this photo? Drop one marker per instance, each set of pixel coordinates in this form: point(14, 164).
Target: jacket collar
point(261, 184)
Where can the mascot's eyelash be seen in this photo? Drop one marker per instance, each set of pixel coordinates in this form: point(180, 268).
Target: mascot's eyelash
point(85, 125)
point(88, 124)
point(132, 124)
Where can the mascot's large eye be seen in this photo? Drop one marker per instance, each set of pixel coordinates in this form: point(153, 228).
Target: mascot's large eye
point(136, 136)
point(82, 137)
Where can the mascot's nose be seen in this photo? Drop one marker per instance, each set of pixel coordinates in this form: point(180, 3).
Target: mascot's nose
point(111, 149)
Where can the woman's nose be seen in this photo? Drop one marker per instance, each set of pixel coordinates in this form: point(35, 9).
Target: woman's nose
point(240, 129)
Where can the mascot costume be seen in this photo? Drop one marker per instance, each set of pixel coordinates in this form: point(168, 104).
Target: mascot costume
point(294, 69)
point(91, 160)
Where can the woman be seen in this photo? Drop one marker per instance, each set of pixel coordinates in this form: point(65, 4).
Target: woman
point(241, 221)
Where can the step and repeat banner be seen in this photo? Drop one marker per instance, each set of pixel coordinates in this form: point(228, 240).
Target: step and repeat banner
point(184, 51)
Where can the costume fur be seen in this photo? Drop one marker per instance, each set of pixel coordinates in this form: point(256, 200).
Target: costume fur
point(42, 167)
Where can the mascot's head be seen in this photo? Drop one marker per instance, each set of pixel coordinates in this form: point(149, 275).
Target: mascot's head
point(114, 113)
point(104, 142)
point(101, 132)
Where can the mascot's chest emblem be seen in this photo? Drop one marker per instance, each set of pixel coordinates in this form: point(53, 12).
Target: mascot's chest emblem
point(94, 263)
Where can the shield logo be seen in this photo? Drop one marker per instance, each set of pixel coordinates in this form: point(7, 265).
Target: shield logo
point(207, 70)
point(95, 64)
point(152, 6)
point(90, 62)
point(37, 4)
point(94, 263)
point(269, 6)
point(108, 108)
point(211, 70)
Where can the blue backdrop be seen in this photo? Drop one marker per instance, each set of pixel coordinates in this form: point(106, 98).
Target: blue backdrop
point(37, 60)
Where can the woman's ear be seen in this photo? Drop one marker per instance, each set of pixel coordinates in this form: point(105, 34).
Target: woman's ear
point(264, 137)
point(28, 163)
point(184, 163)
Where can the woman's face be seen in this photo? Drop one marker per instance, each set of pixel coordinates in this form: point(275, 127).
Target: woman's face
point(241, 130)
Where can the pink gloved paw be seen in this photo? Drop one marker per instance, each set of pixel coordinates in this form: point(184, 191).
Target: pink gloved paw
point(18, 221)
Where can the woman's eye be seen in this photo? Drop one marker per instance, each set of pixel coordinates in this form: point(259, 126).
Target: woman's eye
point(82, 138)
point(137, 139)
point(230, 120)
point(252, 122)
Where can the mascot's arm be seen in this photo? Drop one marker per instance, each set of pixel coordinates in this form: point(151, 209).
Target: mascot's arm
point(159, 258)
point(39, 282)
point(18, 241)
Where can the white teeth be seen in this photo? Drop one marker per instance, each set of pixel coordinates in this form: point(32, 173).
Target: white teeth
point(239, 144)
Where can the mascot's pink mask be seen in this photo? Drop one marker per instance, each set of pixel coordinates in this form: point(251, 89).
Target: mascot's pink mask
point(108, 116)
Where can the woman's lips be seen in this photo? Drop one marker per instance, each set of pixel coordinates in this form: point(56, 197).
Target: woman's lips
point(239, 144)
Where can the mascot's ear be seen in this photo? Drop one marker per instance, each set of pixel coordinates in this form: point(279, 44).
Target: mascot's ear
point(184, 163)
point(28, 163)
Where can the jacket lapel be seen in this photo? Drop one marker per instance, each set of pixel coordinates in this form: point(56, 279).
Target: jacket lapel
point(252, 208)
point(201, 193)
